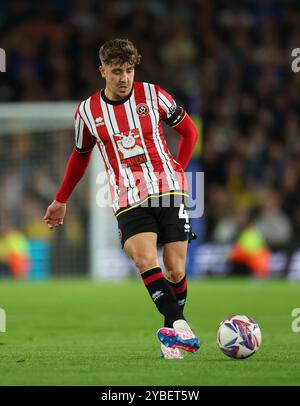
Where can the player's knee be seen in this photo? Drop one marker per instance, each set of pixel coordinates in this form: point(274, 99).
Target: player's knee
point(175, 274)
point(175, 268)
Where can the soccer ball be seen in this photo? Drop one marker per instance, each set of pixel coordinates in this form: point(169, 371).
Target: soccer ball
point(239, 336)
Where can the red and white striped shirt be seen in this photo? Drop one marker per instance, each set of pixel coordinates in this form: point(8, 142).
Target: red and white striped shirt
point(131, 141)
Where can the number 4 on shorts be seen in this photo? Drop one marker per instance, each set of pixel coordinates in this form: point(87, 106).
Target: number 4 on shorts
point(182, 214)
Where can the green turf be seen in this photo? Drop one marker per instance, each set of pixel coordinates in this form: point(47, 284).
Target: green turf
point(79, 332)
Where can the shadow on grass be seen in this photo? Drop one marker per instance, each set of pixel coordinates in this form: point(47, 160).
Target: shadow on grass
point(252, 360)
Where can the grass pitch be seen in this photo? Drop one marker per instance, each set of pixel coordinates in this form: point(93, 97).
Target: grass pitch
point(80, 332)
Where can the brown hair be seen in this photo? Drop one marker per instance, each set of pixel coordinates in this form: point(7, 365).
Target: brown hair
point(119, 51)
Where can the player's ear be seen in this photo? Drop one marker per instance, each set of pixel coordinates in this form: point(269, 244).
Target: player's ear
point(102, 71)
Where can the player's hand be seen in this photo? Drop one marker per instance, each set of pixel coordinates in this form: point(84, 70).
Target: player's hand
point(55, 214)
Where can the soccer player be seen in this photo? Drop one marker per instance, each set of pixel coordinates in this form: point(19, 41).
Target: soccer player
point(147, 185)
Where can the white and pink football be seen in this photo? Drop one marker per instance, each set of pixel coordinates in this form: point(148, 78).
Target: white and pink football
point(239, 336)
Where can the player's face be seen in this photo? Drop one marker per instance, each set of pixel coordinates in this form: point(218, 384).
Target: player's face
point(119, 80)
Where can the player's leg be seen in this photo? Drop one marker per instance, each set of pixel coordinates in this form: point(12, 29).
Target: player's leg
point(174, 232)
point(138, 230)
point(174, 256)
point(142, 248)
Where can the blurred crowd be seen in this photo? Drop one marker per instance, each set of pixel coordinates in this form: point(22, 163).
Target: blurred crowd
point(228, 63)
point(31, 167)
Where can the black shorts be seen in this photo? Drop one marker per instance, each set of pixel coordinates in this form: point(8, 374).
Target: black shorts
point(165, 216)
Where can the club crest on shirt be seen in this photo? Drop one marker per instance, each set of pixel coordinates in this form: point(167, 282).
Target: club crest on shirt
point(142, 109)
point(130, 148)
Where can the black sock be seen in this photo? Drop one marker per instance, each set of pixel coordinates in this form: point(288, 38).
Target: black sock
point(161, 294)
point(180, 291)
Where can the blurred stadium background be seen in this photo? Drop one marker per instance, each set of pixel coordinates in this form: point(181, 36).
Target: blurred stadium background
point(228, 63)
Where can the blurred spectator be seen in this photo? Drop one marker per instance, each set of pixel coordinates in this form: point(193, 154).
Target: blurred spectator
point(14, 252)
point(274, 225)
point(249, 253)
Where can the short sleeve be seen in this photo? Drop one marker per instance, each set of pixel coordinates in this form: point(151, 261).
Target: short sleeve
point(84, 140)
point(169, 111)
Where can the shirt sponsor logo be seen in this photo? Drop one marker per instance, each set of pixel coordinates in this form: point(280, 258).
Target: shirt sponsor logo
point(130, 148)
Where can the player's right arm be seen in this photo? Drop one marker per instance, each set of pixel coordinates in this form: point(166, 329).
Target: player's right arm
point(76, 167)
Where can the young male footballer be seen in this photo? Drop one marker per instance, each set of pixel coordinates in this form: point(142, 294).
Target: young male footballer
point(148, 186)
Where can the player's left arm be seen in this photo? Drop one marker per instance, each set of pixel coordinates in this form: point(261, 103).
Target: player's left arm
point(76, 167)
point(177, 118)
